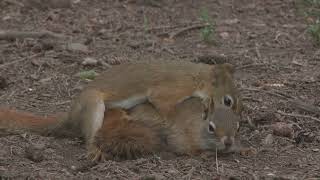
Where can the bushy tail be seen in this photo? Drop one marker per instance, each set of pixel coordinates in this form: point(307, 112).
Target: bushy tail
point(12, 120)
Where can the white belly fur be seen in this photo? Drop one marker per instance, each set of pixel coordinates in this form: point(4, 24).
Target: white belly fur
point(129, 102)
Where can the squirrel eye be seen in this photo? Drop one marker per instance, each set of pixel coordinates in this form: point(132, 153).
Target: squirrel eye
point(211, 128)
point(205, 114)
point(227, 101)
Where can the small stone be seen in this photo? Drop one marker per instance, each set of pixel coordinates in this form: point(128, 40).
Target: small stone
point(271, 174)
point(5, 18)
point(172, 171)
point(36, 62)
point(102, 31)
point(34, 153)
point(34, 77)
point(316, 150)
point(89, 61)
point(282, 129)
point(104, 64)
point(264, 118)
point(232, 21)
point(224, 35)
point(77, 47)
point(45, 80)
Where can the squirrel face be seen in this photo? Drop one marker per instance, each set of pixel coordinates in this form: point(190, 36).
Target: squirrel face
point(223, 118)
point(221, 127)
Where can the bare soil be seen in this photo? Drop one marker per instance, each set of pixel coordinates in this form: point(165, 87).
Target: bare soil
point(266, 40)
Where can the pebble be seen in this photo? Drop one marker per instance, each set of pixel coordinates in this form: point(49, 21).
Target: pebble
point(89, 61)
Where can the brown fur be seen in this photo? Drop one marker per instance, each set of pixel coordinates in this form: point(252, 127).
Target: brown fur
point(164, 84)
point(11, 119)
point(142, 132)
point(148, 127)
point(123, 138)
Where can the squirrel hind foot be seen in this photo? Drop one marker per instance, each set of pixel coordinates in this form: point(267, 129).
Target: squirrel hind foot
point(95, 154)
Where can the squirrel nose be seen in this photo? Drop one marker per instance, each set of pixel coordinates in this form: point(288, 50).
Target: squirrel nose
point(228, 142)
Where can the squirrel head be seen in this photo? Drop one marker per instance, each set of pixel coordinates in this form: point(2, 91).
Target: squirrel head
point(224, 113)
point(223, 126)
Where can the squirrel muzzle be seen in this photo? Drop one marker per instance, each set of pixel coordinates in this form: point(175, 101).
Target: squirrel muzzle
point(224, 124)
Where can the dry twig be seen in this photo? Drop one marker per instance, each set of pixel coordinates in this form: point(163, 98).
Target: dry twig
point(174, 34)
point(305, 107)
point(252, 65)
point(278, 94)
point(14, 2)
point(171, 27)
point(189, 175)
point(258, 51)
point(298, 115)
point(11, 35)
point(16, 61)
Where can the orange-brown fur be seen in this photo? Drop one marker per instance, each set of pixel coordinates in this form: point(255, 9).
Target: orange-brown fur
point(142, 131)
point(11, 119)
point(123, 138)
point(109, 130)
point(164, 84)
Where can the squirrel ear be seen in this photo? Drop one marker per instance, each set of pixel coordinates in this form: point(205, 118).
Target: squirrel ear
point(226, 67)
point(229, 67)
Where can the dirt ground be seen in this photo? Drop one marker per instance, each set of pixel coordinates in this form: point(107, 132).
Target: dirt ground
point(266, 40)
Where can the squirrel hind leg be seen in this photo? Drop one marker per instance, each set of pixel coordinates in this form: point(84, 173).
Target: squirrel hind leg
point(93, 121)
point(120, 138)
point(86, 115)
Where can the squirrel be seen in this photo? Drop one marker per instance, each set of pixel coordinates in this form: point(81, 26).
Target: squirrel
point(141, 131)
point(164, 85)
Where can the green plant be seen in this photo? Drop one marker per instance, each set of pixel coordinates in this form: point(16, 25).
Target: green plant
point(311, 10)
point(208, 31)
point(145, 23)
point(91, 74)
point(314, 30)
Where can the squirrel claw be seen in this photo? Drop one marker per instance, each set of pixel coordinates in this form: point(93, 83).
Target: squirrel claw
point(96, 155)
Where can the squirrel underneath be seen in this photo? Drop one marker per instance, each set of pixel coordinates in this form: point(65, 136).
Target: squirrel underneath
point(137, 109)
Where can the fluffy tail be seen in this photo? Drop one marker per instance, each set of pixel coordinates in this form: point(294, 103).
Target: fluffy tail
point(13, 120)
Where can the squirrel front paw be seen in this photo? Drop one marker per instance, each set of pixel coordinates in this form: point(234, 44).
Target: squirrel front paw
point(206, 102)
point(95, 154)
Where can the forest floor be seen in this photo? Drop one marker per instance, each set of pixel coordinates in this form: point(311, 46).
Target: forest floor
point(276, 59)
